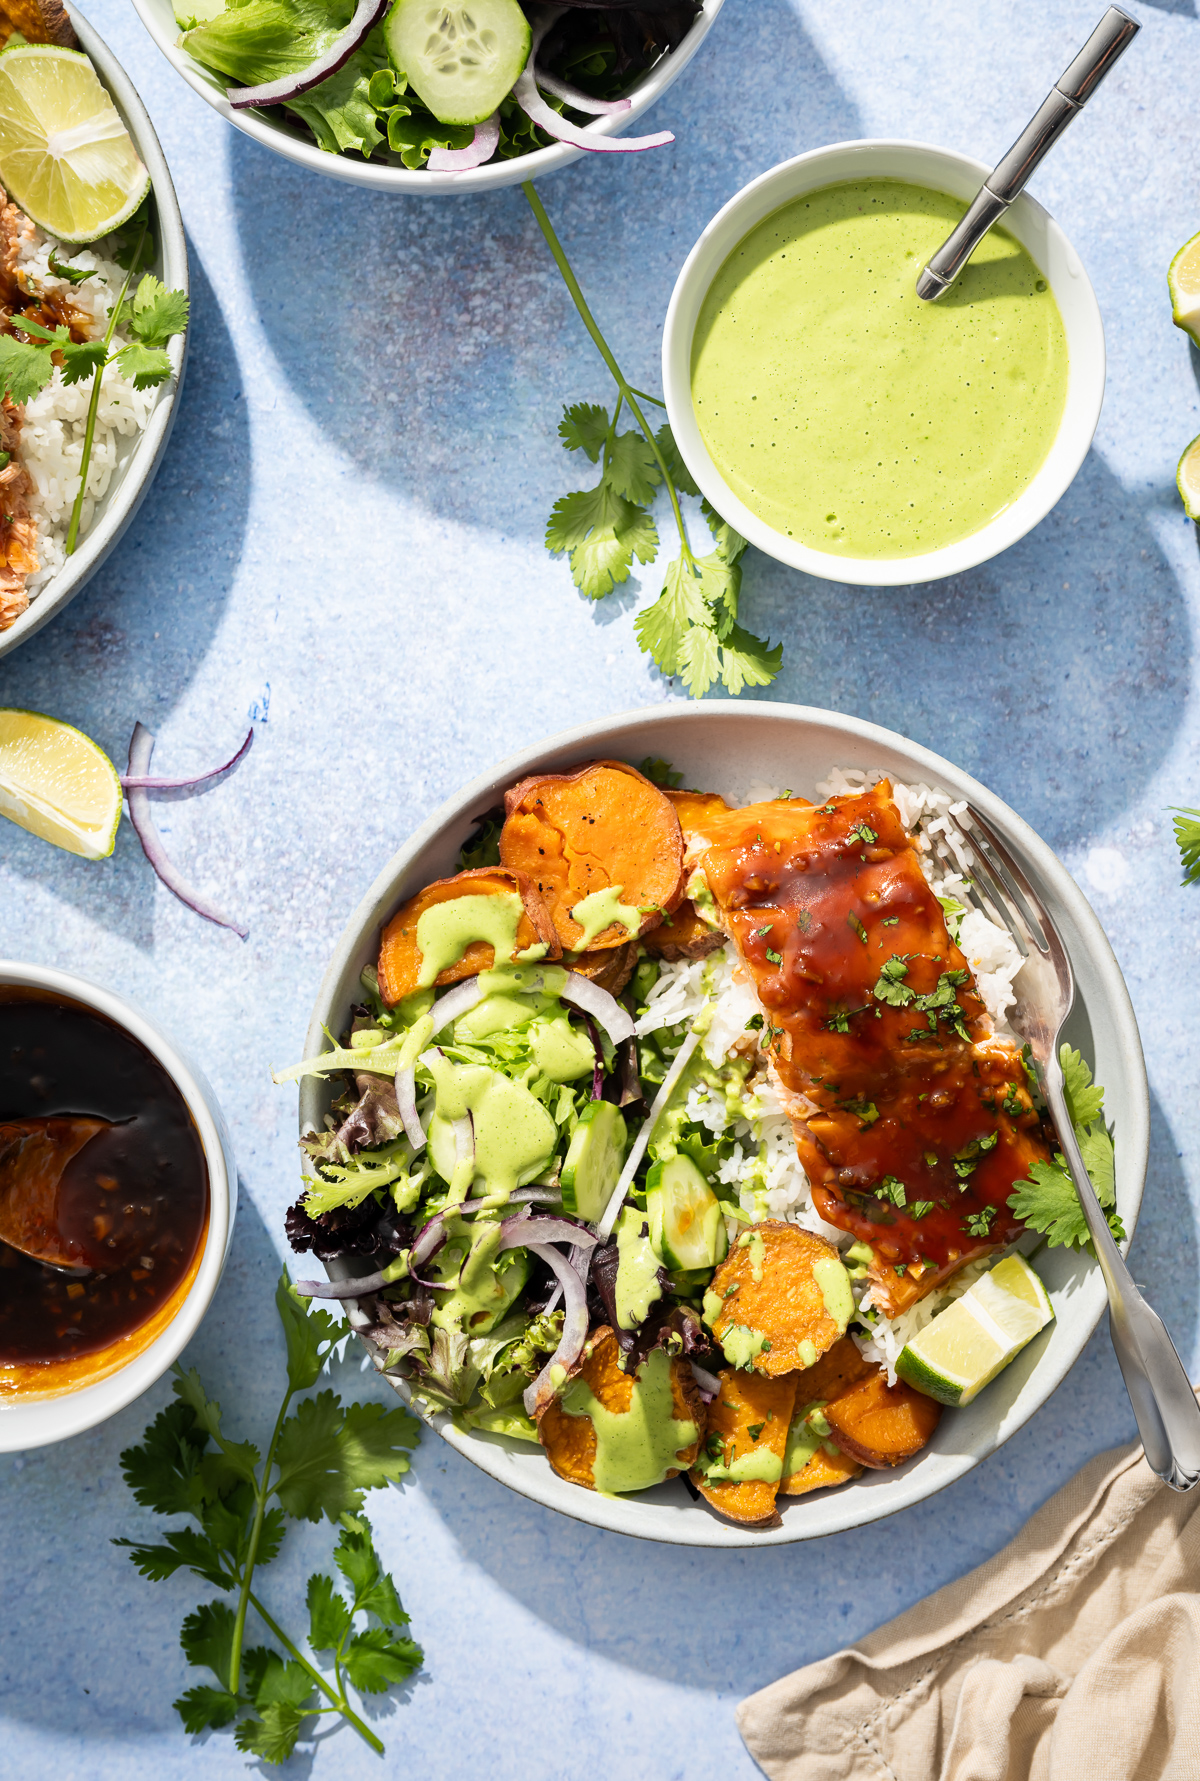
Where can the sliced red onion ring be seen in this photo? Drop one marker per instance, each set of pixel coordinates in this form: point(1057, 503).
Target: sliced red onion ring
point(682, 1057)
point(514, 1232)
point(141, 747)
point(577, 100)
point(406, 1101)
point(575, 1326)
point(455, 1002)
point(150, 783)
point(367, 15)
point(605, 1009)
point(481, 149)
point(708, 1382)
point(534, 106)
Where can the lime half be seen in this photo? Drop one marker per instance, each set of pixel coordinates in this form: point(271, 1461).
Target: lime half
point(56, 783)
point(65, 155)
point(1183, 281)
point(968, 1343)
point(1187, 478)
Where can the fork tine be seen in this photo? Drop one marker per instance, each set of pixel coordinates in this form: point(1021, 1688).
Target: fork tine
point(981, 887)
point(995, 896)
point(993, 851)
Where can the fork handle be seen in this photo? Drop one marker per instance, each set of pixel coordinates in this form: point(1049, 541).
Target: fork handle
point(1164, 1404)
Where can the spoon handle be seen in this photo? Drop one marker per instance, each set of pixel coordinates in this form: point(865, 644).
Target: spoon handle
point(1065, 100)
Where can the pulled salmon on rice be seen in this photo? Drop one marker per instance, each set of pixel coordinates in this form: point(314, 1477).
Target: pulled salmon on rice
point(18, 529)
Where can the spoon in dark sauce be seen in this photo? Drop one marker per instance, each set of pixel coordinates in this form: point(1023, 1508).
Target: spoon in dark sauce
point(34, 1153)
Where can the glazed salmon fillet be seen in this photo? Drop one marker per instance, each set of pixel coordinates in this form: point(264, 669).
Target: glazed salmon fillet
point(912, 1122)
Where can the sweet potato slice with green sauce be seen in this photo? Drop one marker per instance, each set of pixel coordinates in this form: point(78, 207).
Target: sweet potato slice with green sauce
point(882, 1425)
point(603, 847)
point(740, 1465)
point(430, 941)
point(813, 1461)
point(779, 1300)
point(612, 1432)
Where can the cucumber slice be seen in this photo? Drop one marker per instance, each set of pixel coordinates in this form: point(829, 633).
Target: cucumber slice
point(460, 59)
point(594, 1158)
point(687, 1225)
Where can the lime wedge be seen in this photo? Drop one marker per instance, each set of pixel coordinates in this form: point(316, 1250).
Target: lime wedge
point(56, 783)
point(65, 155)
point(968, 1343)
point(1183, 282)
point(1188, 479)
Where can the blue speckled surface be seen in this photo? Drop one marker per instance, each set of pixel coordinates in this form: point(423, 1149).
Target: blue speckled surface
point(348, 526)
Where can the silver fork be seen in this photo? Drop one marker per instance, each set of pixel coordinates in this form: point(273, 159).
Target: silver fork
point(1167, 1412)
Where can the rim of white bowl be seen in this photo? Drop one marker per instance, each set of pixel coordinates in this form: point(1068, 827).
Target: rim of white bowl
point(960, 176)
point(159, 19)
point(38, 1421)
point(656, 1515)
point(129, 486)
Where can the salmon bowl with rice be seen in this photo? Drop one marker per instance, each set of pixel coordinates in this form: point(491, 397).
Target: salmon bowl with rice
point(681, 1134)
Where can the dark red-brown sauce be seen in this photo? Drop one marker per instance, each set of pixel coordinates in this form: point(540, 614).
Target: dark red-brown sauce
point(133, 1202)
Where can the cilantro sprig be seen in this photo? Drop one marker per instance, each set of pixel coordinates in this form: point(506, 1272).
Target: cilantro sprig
point(1048, 1202)
point(1187, 839)
point(152, 316)
point(320, 1461)
point(692, 629)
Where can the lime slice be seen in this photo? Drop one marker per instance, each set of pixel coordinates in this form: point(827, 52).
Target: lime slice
point(1188, 479)
point(1183, 281)
point(65, 155)
point(968, 1343)
point(56, 783)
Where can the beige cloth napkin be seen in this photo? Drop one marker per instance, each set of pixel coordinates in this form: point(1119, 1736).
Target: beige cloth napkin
point(1073, 1655)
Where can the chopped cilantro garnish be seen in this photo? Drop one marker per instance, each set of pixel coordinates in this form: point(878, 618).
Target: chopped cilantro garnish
point(754, 1023)
point(919, 1208)
point(891, 1189)
point(979, 1224)
point(755, 1430)
point(890, 921)
point(775, 958)
point(1012, 1101)
point(864, 833)
point(891, 987)
point(852, 921)
point(900, 1268)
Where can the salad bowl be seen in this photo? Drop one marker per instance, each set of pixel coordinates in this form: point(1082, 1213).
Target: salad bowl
point(37, 1420)
point(729, 748)
point(127, 490)
point(271, 130)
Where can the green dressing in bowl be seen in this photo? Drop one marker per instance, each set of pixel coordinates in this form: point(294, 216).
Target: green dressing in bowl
point(850, 415)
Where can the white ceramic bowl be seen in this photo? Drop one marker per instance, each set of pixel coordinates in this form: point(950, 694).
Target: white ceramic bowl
point(271, 129)
point(944, 171)
point(28, 1421)
point(128, 487)
point(723, 746)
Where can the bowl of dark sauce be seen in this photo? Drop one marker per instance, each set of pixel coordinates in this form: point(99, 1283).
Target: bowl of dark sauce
point(117, 1193)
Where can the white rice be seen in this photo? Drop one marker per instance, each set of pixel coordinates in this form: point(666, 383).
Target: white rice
point(765, 1167)
point(51, 447)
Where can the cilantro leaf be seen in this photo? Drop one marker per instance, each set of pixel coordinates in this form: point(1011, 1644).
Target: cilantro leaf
point(207, 1638)
point(328, 1616)
point(1085, 1098)
point(144, 366)
point(679, 473)
point(602, 533)
point(156, 313)
point(721, 583)
point(73, 274)
point(239, 1458)
point(632, 469)
point(184, 1548)
point(1187, 839)
point(661, 628)
point(747, 661)
point(270, 1679)
point(82, 359)
point(329, 1456)
point(1047, 1201)
point(163, 1472)
point(584, 428)
point(375, 1660)
point(357, 1560)
point(699, 659)
point(25, 368)
point(310, 1332)
point(202, 1707)
point(661, 772)
point(730, 544)
point(273, 1737)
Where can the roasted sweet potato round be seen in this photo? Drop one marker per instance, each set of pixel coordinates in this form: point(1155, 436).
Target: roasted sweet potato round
point(400, 954)
point(602, 834)
point(611, 969)
point(769, 1304)
point(882, 1425)
point(570, 1440)
point(824, 1471)
point(683, 935)
point(749, 1416)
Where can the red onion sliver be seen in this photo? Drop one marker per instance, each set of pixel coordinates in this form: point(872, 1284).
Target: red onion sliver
point(341, 1289)
point(578, 101)
point(406, 1101)
point(455, 1002)
point(597, 1002)
point(457, 160)
point(575, 1326)
point(708, 1382)
point(514, 1232)
point(534, 106)
point(150, 783)
point(682, 1058)
point(367, 15)
point(141, 747)
point(428, 1240)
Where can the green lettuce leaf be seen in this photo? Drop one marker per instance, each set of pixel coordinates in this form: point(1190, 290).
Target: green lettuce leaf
point(254, 41)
